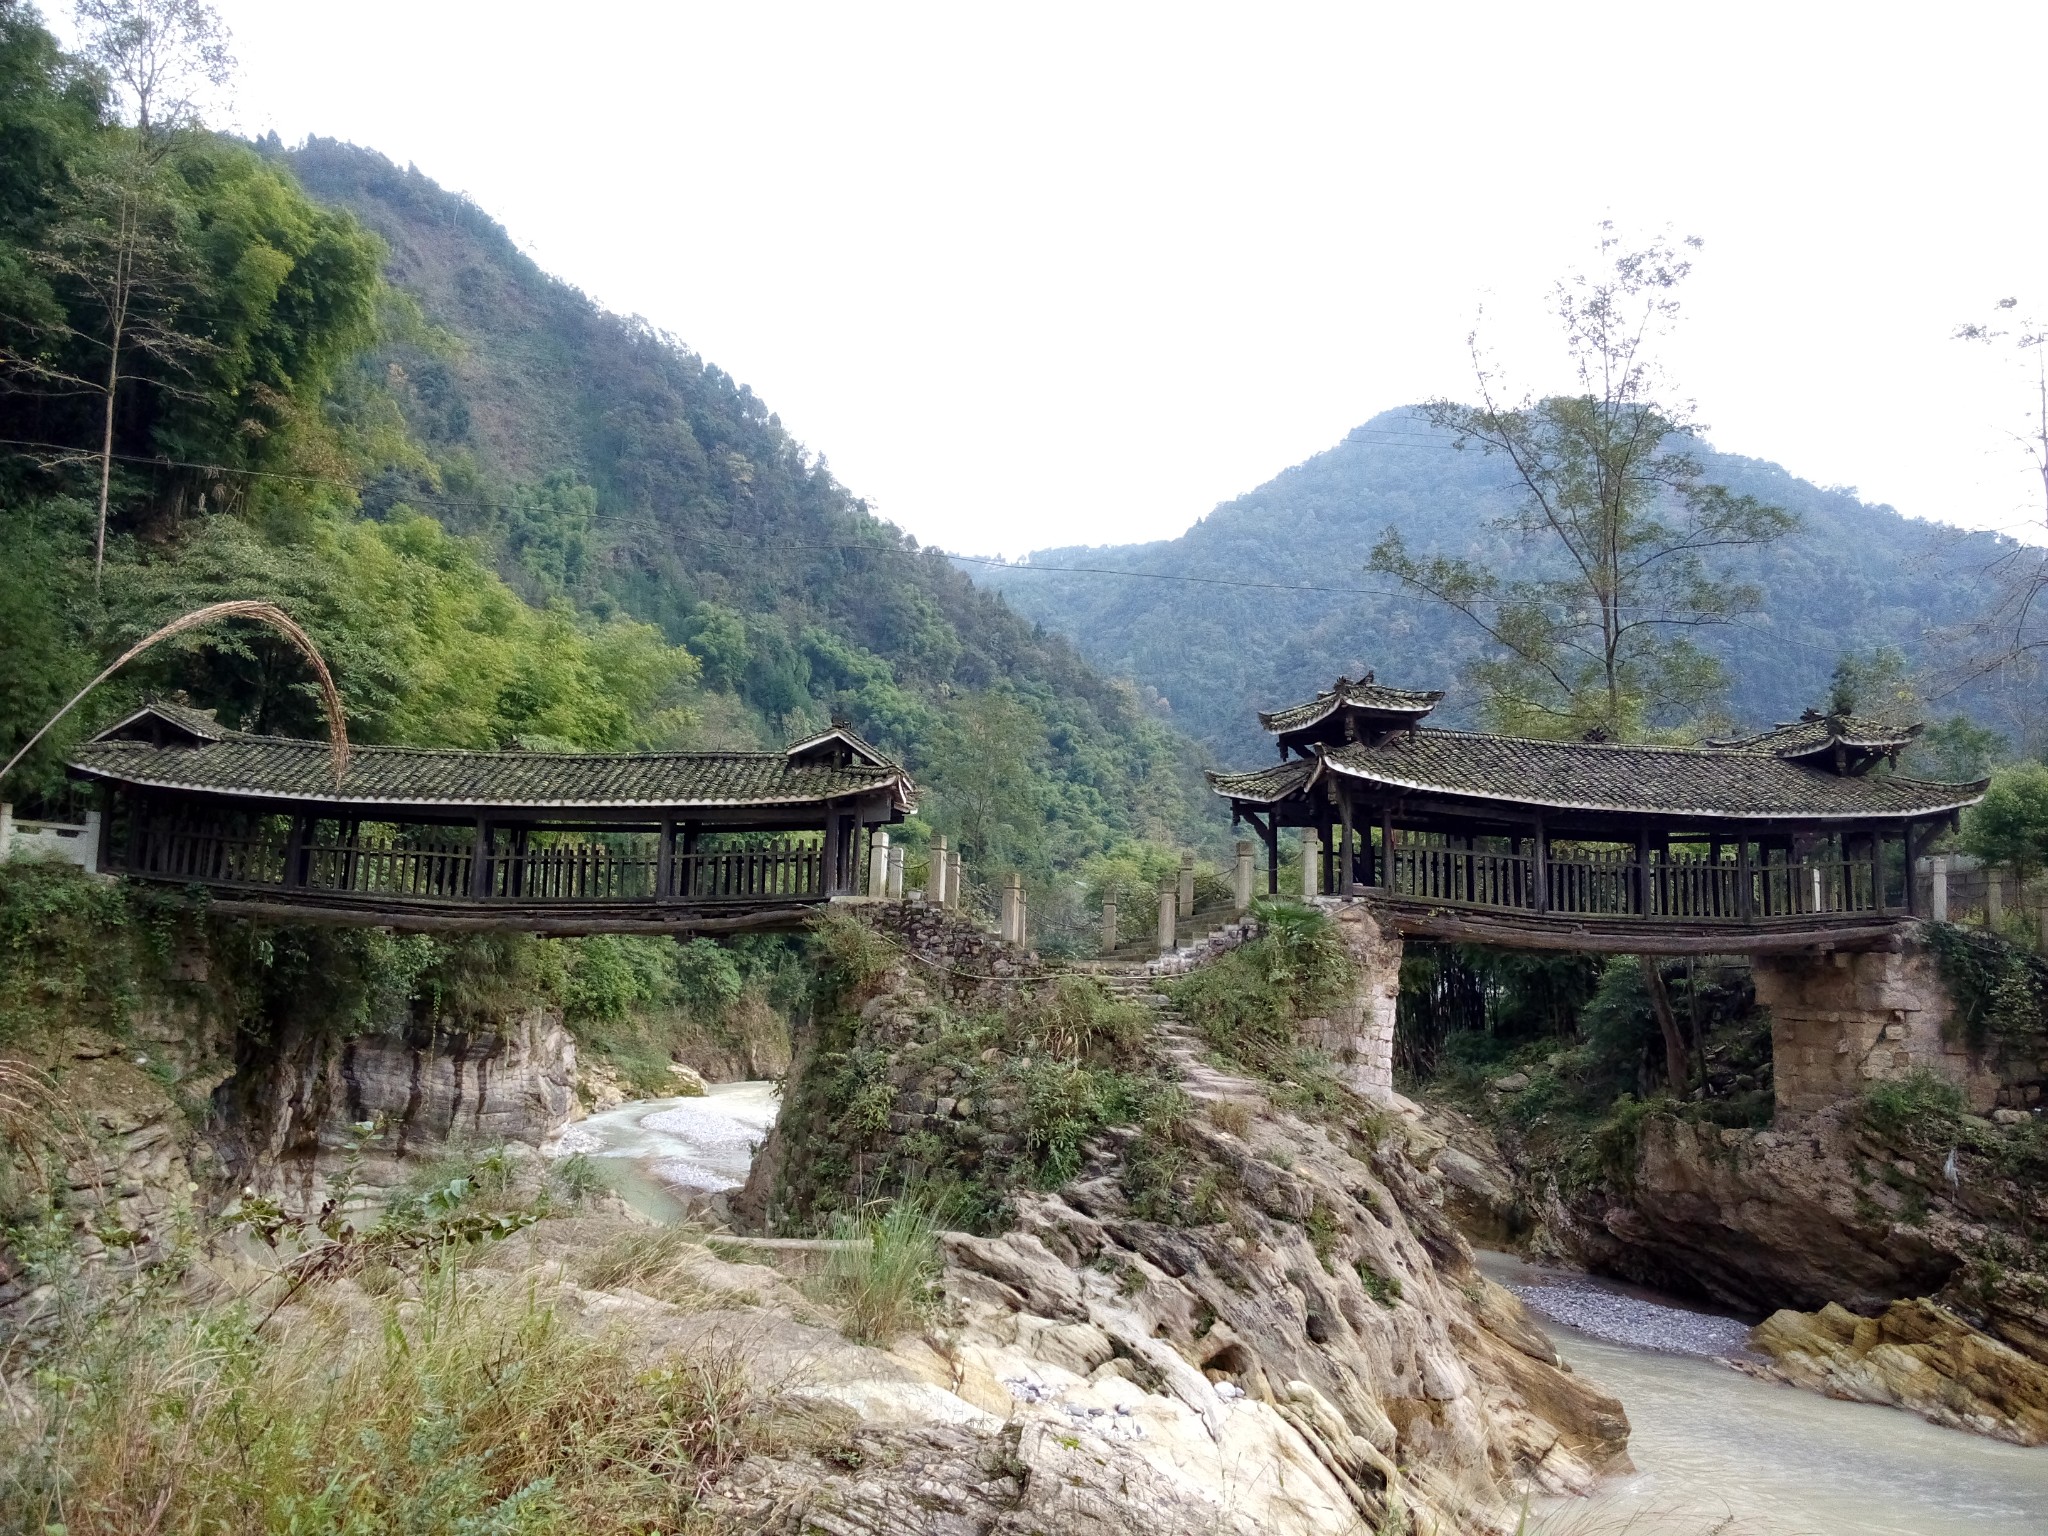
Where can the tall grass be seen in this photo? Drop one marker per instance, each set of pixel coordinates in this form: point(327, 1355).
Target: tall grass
point(884, 1281)
point(449, 1408)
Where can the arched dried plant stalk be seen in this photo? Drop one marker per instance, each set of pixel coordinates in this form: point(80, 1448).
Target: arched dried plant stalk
point(242, 608)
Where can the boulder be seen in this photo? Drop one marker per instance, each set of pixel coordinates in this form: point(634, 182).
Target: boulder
point(1916, 1355)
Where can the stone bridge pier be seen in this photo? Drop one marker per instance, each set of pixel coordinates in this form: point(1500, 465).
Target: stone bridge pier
point(1359, 1034)
point(1842, 1021)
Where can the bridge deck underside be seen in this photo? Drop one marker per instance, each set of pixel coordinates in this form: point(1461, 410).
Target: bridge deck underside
point(1639, 935)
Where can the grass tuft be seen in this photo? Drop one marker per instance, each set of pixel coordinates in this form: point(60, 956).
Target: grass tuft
point(885, 1281)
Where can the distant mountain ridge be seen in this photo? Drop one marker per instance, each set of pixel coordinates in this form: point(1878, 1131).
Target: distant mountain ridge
point(1851, 577)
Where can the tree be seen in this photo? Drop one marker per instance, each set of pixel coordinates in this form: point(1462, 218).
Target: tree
point(2010, 824)
point(126, 274)
point(160, 54)
point(1618, 514)
point(2009, 633)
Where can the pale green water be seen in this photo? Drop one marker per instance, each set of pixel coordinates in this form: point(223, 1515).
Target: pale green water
point(1720, 1451)
point(659, 1154)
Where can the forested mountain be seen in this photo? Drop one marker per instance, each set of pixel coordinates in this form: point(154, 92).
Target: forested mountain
point(504, 515)
point(1284, 602)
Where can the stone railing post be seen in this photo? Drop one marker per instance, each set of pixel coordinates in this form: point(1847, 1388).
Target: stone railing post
point(894, 890)
point(935, 882)
point(1108, 924)
point(878, 862)
point(1994, 900)
point(953, 879)
point(1169, 893)
point(1937, 896)
point(1011, 917)
point(1311, 857)
point(1023, 915)
point(1241, 883)
point(1186, 893)
point(6, 831)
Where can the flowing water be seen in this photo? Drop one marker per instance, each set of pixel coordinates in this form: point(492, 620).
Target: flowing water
point(1718, 1451)
point(659, 1154)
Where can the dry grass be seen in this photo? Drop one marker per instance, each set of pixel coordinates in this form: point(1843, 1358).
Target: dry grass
point(460, 1408)
point(1232, 1115)
point(655, 1261)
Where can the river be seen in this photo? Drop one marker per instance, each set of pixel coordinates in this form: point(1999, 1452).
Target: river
point(1718, 1451)
point(659, 1154)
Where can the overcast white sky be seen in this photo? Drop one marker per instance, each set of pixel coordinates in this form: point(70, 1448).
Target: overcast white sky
point(1044, 274)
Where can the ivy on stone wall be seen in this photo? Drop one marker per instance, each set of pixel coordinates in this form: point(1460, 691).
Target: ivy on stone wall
point(2000, 989)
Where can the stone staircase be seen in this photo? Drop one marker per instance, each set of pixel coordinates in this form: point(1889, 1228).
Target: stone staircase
point(1175, 1038)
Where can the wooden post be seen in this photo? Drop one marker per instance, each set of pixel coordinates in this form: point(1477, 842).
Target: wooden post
point(1387, 846)
point(1272, 836)
point(295, 851)
point(1642, 869)
point(1912, 874)
point(1347, 859)
point(480, 862)
point(1167, 904)
point(664, 860)
point(1542, 865)
point(138, 816)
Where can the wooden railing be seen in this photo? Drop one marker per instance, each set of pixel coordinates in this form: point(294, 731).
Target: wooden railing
point(1617, 884)
point(616, 868)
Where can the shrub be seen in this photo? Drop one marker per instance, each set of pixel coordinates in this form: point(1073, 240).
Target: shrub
point(1920, 1103)
point(884, 1281)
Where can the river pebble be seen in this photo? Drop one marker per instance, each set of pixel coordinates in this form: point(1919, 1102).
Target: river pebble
point(1623, 1319)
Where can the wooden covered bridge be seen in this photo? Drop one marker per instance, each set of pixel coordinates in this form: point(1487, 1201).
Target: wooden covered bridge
point(1793, 838)
point(543, 842)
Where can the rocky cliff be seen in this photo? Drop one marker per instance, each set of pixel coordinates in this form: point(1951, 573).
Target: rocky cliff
point(1173, 1255)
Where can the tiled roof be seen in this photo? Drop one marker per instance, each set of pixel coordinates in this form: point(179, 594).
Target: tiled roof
point(1730, 783)
point(1365, 695)
point(1267, 784)
point(1815, 732)
point(276, 767)
point(198, 723)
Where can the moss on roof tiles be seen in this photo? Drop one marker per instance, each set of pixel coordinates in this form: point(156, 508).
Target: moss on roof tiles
point(288, 768)
point(1815, 732)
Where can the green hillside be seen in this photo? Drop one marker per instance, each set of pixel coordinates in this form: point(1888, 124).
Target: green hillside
point(504, 515)
point(1850, 577)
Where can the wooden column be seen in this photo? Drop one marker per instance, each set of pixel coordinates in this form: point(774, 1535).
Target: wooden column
point(1912, 875)
point(1347, 860)
point(1272, 852)
point(1642, 869)
point(1387, 846)
point(138, 816)
point(1542, 841)
point(1745, 898)
point(828, 876)
point(295, 851)
point(665, 861)
point(480, 861)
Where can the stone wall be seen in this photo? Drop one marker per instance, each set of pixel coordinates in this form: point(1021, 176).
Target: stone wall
point(1842, 1021)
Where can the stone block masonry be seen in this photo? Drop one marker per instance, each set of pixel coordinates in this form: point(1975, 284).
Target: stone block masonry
point(1842, 1021)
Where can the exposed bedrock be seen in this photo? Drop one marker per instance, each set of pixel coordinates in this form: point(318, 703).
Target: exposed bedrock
point(302, 1105)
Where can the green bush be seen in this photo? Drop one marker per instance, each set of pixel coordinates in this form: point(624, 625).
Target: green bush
point(1920, 1105)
